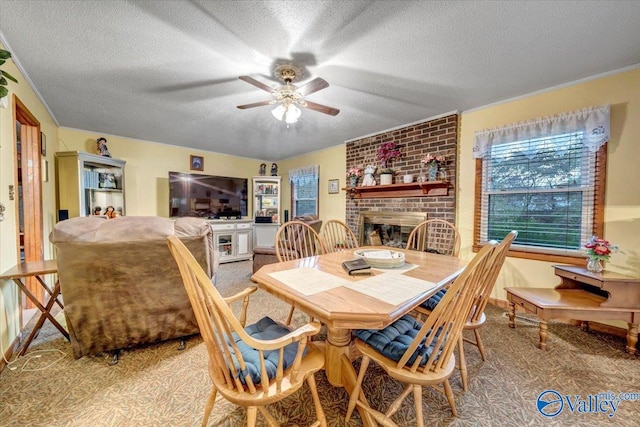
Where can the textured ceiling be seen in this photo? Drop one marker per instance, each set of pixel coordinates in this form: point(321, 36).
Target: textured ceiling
point(166, 71)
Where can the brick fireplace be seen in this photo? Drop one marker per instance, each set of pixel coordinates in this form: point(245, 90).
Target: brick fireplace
point(438, 136)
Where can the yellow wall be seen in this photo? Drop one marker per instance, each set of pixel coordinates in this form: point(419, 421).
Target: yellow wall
point(622, 206)
point(332, 165)
point(148, 164)
point(9, 297)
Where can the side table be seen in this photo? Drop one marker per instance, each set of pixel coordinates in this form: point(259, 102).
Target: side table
point(584, 296)
point(37, 269)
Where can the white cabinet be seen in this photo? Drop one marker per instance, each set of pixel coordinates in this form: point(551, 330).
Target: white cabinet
point(267, 209)
point(86, 182)
point(233, 239)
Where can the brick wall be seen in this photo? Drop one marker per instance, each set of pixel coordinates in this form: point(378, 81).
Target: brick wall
point(439, 137)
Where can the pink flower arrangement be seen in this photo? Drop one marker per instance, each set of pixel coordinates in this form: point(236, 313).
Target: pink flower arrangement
point(354, 172)
point(600, 249)
point(387, 152)
point(431, 159)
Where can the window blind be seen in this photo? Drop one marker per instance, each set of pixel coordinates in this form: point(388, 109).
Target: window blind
point(550, 188)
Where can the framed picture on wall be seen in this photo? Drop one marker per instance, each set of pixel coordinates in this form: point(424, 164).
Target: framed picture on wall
point(197, 163)
point(334, 186)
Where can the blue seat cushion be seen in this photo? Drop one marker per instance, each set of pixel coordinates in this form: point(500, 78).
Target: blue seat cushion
point(264, 329)
point(393, 341)
point(431, 303)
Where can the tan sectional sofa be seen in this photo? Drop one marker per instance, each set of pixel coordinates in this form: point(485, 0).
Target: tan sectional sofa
point(121, 287)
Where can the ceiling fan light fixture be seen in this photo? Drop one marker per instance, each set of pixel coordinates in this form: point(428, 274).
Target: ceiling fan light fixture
point(292, 114)
point(279, 111)
point(287, 112)
point(289, 97)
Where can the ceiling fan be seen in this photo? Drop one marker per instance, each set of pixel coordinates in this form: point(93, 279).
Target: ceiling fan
point(288, 96)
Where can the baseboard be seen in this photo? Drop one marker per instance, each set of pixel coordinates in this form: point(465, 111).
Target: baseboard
point(15, 345)
point(593, 326)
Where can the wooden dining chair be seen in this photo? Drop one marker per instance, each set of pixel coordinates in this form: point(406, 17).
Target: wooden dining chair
point(435, 235)
point(421, 354)
point(477, 317)
point(337, 236)
point(249, 366)
point(296, 240)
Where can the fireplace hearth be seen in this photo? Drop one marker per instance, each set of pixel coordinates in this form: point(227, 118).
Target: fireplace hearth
point(387, 228)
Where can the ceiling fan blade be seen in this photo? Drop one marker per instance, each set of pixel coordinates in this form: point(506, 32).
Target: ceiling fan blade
point(256, 83)
point(313, 86)
point(322, 108)
point(255, 104)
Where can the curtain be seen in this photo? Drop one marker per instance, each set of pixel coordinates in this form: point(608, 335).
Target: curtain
point(304, 174)
point(593, 123)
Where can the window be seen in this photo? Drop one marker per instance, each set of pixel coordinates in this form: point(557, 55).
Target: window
point(548, 186)
point(304, 190)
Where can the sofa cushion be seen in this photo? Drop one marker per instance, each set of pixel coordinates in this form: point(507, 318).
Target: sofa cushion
point(264, 329)
point(393, 341)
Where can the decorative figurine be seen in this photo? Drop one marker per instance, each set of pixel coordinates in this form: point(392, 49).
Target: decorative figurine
point(274, 169)
point(97, 210)
point(110, 212)
point(102, 147)
point(263, 169)
point(369, 180)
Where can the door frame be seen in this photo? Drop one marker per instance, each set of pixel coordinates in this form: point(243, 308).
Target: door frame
point(30, 144)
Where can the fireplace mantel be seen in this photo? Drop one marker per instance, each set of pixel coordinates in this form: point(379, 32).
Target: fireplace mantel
point(414, 189)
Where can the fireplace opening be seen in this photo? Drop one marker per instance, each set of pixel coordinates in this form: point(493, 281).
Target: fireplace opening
point(377, 228)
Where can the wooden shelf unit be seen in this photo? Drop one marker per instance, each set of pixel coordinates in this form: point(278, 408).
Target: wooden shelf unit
point(413, 189)
point(79, 189)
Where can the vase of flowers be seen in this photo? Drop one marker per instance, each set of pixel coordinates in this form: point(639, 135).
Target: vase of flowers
point(353, 174)
point(385, 155)
point(598, 251)
point(433, 163)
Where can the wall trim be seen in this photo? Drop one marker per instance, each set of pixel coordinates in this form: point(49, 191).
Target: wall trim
point(554, 88)
point(13, 347)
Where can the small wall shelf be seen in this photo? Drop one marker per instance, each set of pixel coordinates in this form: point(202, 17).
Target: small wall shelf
point(414, 189)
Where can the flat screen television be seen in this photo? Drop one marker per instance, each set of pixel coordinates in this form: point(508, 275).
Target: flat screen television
point(207, 196)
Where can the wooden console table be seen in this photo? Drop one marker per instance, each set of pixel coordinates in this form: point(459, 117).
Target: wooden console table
point(585, 296)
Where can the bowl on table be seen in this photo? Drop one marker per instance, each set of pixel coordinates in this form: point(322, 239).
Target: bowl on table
point(381, 258)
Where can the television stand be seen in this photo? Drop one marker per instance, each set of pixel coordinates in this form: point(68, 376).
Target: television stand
point(233, 239)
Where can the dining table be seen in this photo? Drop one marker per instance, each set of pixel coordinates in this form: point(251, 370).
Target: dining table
point(320, 287)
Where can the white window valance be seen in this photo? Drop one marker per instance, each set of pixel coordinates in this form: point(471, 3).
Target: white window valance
point(594, 122)
point(306, 172)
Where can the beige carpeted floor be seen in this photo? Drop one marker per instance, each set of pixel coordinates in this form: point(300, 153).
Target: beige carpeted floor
point(160, 386)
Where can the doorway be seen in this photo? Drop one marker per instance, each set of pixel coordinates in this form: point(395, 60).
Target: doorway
point(29, 192)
